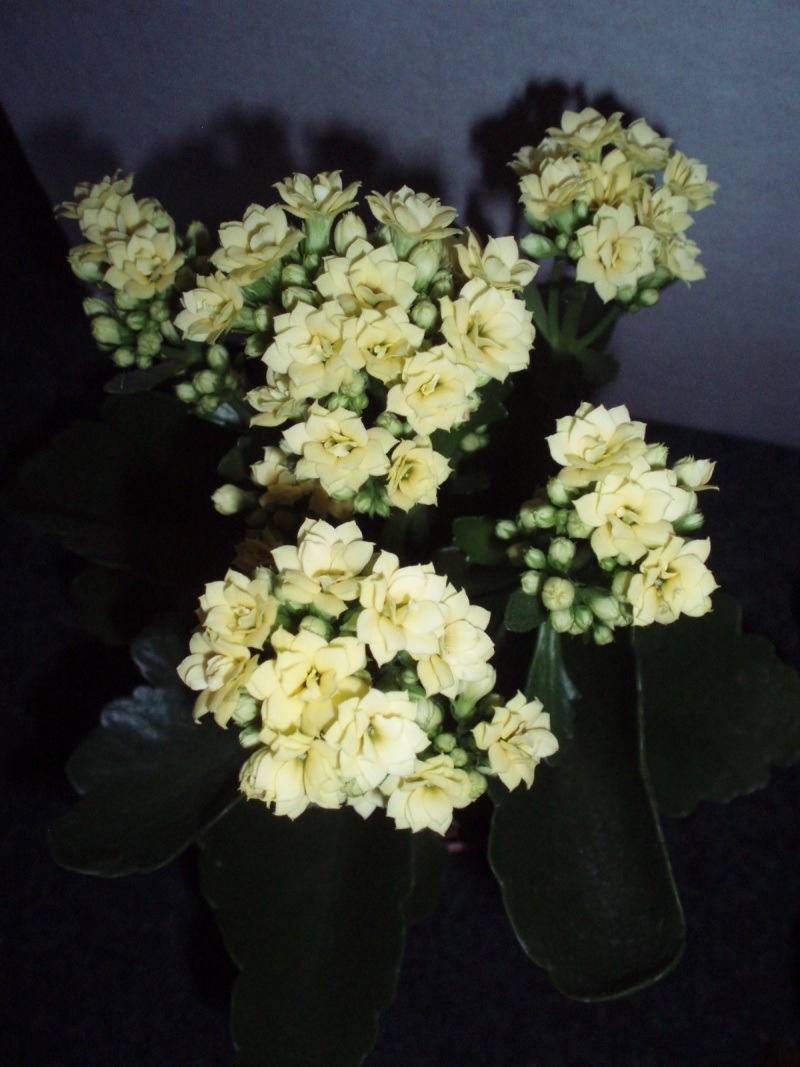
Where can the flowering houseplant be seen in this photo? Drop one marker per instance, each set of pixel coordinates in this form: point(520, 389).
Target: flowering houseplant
point(371, 645)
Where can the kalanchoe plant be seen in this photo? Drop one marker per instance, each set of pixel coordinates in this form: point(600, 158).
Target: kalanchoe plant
point(358, 359)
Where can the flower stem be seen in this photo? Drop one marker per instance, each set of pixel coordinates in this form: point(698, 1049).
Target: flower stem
point(598, 330)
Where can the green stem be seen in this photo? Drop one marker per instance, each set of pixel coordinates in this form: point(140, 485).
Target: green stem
point(536, 304)
point(552, 305)
point(598, 330)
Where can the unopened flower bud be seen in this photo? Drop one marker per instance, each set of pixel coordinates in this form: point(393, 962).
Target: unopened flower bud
point(247, 709)
point(262, 318)
point(580, 209)
point(249, 736)
point(108, 331)
point(148, 343)
point(159, 310)
point(689, 523)
point(531, 582)
point(425, 257)
point(574, 250)
point(558, 593)
point(425, 314)
point(656, 456)
point(620, 583)
point(558, 493)
point(428, 716)
point(538, 516)
point(186, 392)
point(561, 553)
point(445, 742)
point(536, 246)
point(137, 320)
point(197, 235)
point(206, 382)
point(582, 619)
point(442, 284)
point(348, 229)
point(459, 756)
point(217, 357)
point(505, 529)
point(608, 563)
point(473, 442)
point(293, 274)
point(561, 620)
point(93, 306)
point(603, 605)
point(124, 356)
point(230, 499)
point(601, 634)
point(124, 301)
point(515, 554)
point(315, 625)
point(535, 558)
point(693, 473)
point(626, 294)
point(648, 297)
point(562, 242)
point(311, 263)
point(387, 420)
point(255, 345)
point(576, 527)
point(477, 784)
point(295, 295)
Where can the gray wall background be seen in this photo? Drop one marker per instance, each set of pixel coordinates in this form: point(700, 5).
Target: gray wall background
point(211, 103)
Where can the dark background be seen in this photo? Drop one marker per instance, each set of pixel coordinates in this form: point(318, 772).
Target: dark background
point(131, 971)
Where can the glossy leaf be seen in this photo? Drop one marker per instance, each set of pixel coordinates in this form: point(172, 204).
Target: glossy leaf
point(428, 863)
point(141, 381)
point(312, 913)
point(580, 857)
point(474, 535)
point(151, 776)
point(523, 612)
point(720, 709)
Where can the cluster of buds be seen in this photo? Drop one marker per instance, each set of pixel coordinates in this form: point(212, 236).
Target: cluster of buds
point(376, 343)
point(608, 542)
point(616, 201)
point(357, 682)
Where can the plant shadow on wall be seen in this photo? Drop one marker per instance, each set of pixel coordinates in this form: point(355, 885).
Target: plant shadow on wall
point(241, 154)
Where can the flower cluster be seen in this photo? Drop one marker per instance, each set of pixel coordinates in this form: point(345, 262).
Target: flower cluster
point(591, 193)
point(359, 682)
point(608, 543)
point(375, 343)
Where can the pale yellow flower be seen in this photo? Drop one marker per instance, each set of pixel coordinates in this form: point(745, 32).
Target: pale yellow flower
point(490, 330)
point(275, 473)
point(587, 131)
point(384, 340)
point(219, 670)
point(368, 277)
point(516, 739)
point(276, 781)
point(499, 264)
point(239, 609)
point(434, 390)
point(337, 449)
point(322, 195)
point(252, 247)
point(680, 258)
point(595, 441)
point(413, 217)
point(89, 262)
point(309, 349)
point(416, 472)
point(673, 580)
point(402, 609)
point(615, 251)
point(552, 189)
point(610, 181)
point(276, 402)
point(209, 310)
point(664, 212)
point(376, 735)
point(426, 798)
point(641, 495)
point(629, 542)
point(689, 178)
point(323, 569)
point(694, 473)
point(464, 647)
point(144, 263)
point(646, 149)
point(96, 206)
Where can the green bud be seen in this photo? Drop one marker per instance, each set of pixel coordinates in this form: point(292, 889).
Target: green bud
point(537, 246)
point(558, 493)
point(159, 310)
point(656, 456)
point(535, 558)
point(262, 318)
point(387, 420)
point(581, 210)
point(148, 343)
point(426, 258)
point(348, 229)
point(477, 784)
point(293, 274)
point(255, 345)
point(311, 263)
point(409, 679)
point(576, 527)
point(230, 499)
point(602, 635)
point(574, 250)
point(531, 582)
point(505, 529)
point(315, 625)
point(442, 284)
point(561, 553)
point(362, 501)
point(608, 563)
point(217, 357)
point(93, 306)
point(626, 294)
point(428, 715)
point(445, 742)
point(582, 619)
point(473, 442)
point(124, 301)
point(143, 360)
point(648, 297)
point(247, 709)
point(295, 295)
point(197, 235)
point(603, 605)
point(561, 620)
point(562, 242)
point(425, 314)
point(620, 583)
point(459, 756)
point(186, 392)
point(689, 523)
point(170, 334)
point(108, 331)
point(137, 320)
point(558, 593)
point(123, 357)
point(249, 736)
point(206, 382)
point(515, 554)
point(538, 516)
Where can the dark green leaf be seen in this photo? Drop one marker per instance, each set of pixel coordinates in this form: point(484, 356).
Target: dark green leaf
point(523, 612)
point(312, 914)
point(152, 777)
point(580, 857)
point(428, 863)
point(487, 586)
point(141, 381)
point(474, 535)
point(133, 491)
point(720, 709)
point(599, 368)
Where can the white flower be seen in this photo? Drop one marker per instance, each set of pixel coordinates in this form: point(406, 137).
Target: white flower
point(426, 798)
point(689, 178)
point(499, 264)
point(210, 309)
point(586, 132)
point(309, 349)
point(595, 441)
point(276, 402)
point(673, 580)
point(383, 340)
point(416, 472)
point(322, 195)
point(325, 566)
point(464, 647)
point(368, 277)
point(610, 181)
point(219, 670)
point(516, 739)
point(615, 251)
point(402, 609)
point(434, 391)
point(644, 147)
point(559, 183)
point(412, 217)
point(276, 781)
point(251, 248)
point(490, 330)
point(144, 263)
point(240, 609)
